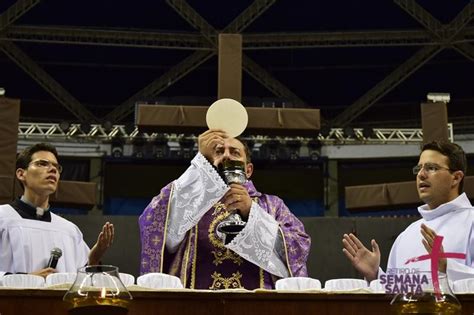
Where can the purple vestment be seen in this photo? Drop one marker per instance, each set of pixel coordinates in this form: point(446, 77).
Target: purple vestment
point(202, 261)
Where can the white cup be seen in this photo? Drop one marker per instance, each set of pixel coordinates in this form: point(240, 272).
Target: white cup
point(60, 278)
point(127, 279)
point(345, 284)
point(23, 281)
point(159, 281)
point(298, 283)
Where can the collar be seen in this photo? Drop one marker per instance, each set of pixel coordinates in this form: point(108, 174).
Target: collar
point(460, 202)
point(27, 211)
point(39, 211)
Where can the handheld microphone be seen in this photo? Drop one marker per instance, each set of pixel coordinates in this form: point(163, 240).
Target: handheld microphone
point(56, 253)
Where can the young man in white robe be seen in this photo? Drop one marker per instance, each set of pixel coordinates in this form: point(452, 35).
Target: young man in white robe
point(447, 212)
point(29, 231)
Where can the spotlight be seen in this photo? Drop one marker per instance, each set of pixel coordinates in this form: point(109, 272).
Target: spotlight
point(294, 147)
point(368, 132)
point(187, 146)
point(64, 126)
point(314, 146)
point(86, 127)
point(438, 97)
point(272, 147)
point(138, 143)
point(129, 128)
point(107, 126)
point(117, 147)
point(160, 145)
point(349, 132)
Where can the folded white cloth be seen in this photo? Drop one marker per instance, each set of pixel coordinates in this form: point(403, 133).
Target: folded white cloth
point(157, 280)
point(376, 286)
point(298, 283)
point(23, 281)
point(127, 279)
point(345, 284)
point(60, 278)
point(463, 286)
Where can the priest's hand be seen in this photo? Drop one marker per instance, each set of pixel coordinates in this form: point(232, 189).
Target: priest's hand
point(43, 272)
point(428, 239)
point(365, 261)
point(208, 141)
point(238, 198)
point(104, 241)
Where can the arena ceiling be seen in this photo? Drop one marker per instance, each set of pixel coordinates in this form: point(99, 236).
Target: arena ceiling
point(360, 62)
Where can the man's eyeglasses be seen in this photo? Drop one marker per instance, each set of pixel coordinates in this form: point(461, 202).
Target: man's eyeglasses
point(47, 164)
point(429, 168)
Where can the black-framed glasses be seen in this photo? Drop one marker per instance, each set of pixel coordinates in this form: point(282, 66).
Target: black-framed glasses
point(429, 168)
point(42, 163)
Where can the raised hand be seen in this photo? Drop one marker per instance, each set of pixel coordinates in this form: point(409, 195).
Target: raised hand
point(208, 140)
point(104, 241)
point(428, 239)
point(365, 261)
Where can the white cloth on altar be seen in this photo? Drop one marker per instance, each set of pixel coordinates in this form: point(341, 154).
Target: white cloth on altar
point(25, 245)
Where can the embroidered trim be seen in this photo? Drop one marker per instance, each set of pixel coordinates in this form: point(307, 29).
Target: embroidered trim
point(193, 267)
point(165, 232)
point(184, 269)
point(286, 251)
point(220, 256)
point(219, 282)
point(221, 253)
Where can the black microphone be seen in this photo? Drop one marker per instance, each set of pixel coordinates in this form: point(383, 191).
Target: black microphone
point(56, 253)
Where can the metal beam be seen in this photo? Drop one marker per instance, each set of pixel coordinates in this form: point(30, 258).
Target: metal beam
point(386, 85)
point(194, 41)
point(422, 16)
point(416, 61)
point(242, 21)
point(47, 82)
point(466, 50)
point(249, 15)
point(159, 85)
point(15, 11)
point(374, 38)
point(105, 37)
point(195, 19)
point(461, 20)
point(272, 84)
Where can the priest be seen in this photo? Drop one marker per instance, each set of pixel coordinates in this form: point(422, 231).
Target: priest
point(179, 227)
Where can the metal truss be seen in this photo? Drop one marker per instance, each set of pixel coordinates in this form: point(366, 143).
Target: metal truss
point(105, 37)
point(195, 41)
point(47, 82)
point(15, 11)
point(159, 85)
point(386, 85)
point(96, 133)
point(441, 33)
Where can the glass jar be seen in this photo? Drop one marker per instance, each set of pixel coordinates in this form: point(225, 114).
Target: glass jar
point(424, 297)
point(98, 290)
